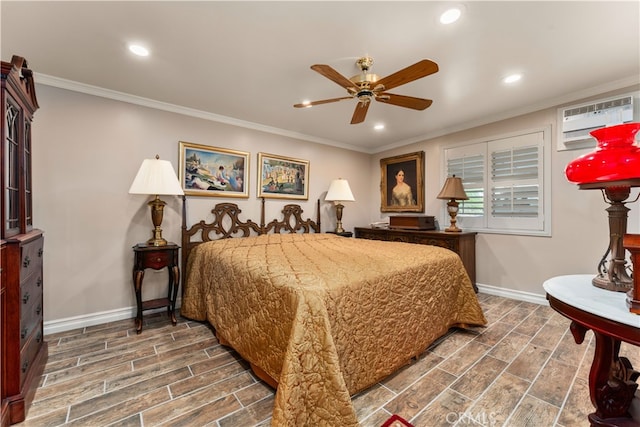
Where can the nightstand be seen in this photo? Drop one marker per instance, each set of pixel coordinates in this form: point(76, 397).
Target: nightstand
point(157, 258)
point(343, 234)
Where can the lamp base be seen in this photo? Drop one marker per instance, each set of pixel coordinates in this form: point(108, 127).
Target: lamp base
point(615, 284)
point(452, 208)
point(157, 239)
point(612, 273)
point(157, 210)
point(339, 229)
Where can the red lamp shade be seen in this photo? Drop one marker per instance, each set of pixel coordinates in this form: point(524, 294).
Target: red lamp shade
point(616, 158)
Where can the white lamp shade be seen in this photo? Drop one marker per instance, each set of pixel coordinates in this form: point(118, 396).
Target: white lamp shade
point(156, 177)
point(339, 191)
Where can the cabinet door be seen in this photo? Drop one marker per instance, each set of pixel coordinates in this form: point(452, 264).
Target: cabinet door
point(26, 174)
point(11, 175)
point(17, 211)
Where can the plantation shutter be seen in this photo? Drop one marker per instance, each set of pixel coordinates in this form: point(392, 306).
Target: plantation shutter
point(514, 182)
point(506, 182)
point(471, 170)
point(515, 176)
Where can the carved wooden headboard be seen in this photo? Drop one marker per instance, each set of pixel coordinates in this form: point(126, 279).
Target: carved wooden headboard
point(227, 224)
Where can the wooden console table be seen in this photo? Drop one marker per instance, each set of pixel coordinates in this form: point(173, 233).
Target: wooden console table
point(612, 379)
point(463, 243)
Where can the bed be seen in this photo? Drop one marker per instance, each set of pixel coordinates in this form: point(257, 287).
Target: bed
point(318, 316)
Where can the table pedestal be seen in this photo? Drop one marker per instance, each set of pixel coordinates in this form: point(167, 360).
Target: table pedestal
point(612, 379)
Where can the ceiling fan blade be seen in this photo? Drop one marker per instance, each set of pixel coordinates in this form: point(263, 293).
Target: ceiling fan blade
point(324, 101)
point(360, 113)
point(404, 101)
point(412, 72)
point(334, 76)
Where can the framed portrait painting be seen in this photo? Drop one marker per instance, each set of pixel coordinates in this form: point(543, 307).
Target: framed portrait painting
point(282, 177)
point(402, 183)
point(213, 171)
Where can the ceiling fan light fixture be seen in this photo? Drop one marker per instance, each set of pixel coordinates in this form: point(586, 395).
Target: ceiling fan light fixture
point(365, 79)
point(450, 16)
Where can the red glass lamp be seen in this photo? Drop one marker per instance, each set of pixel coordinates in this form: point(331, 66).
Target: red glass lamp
point(613, 168)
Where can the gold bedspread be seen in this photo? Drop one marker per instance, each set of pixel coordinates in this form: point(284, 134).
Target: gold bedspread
point(326, 316)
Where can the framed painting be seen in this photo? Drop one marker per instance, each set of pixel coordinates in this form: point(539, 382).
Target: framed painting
point(213, 171)
point(402, 183)
point(282, 177)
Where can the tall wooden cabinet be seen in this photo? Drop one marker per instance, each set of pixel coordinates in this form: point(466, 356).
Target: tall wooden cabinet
point(23, 349)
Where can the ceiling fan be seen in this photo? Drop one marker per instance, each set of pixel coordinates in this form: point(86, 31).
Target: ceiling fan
point(367, 86)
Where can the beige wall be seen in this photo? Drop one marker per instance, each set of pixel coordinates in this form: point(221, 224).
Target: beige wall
point(522, 263)
point(87, 150)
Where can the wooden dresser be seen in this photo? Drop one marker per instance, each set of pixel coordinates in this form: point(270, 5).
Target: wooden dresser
point(463, 243)
point(24, 351)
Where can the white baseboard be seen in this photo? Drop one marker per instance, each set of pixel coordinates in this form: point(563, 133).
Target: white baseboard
point(513, 294)
point(78, 322)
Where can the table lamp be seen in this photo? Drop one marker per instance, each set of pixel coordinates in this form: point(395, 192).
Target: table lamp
point(453, 191)
point(156, 177)
point(339, 191)
point(613, 168)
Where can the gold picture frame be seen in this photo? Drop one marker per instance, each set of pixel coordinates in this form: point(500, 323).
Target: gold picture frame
point(281, 177)
point(213, 171)
point(402, 183)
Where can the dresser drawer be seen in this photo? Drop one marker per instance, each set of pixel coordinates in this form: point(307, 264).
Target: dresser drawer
point(154, 259)
point(31, 258)
point(451, 244)
point(31, 289)
point(30, 307)
point(29, 351)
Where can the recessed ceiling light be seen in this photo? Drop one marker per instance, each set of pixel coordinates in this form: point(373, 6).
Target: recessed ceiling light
point(450, 15)
point(139, 50)
point(379, 126)
point(512, 78)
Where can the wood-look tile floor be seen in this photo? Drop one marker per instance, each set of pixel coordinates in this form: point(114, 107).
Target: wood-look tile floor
point(524, 369)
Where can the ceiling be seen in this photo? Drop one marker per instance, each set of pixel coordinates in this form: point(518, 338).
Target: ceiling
point(247, 63)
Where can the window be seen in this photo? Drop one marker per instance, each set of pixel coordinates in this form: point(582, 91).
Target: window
point(507, 181)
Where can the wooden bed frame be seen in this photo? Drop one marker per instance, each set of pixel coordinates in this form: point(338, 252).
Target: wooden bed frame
point(226, 224)
point(295, 328)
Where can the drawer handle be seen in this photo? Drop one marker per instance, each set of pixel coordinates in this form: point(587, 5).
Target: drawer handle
point(39, 282)
point(39, 309)
point(25, 298)
point(26, 261)
point(40, 252)
point(39, 337)
point(24, 333)
point(25, 366)
point(158, 259)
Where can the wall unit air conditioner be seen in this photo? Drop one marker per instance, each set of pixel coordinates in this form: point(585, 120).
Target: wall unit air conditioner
point(577, 121)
